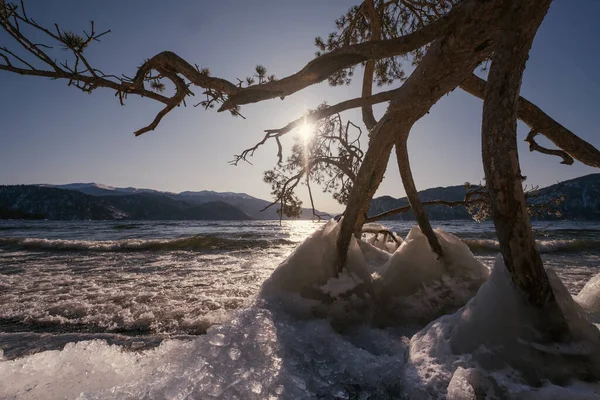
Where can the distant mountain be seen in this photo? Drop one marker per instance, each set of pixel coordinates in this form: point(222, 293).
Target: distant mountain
point(582, 197)
point(252, 206)
point(95, 201)
point(28, 201)
point(96, 189)
point(582, 201)
point(436, 212)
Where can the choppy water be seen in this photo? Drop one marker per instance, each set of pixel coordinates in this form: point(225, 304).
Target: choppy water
point(136, 283)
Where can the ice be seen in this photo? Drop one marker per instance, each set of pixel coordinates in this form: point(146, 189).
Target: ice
point(83, 366)
point(306, 337)
point(341, 284)
point(416, 286)
point(375, 258)
point(307, 359)
point(314, 262)
point(589, 296)
point(500, 344)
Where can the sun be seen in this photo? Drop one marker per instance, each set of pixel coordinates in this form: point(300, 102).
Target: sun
point(306, 131)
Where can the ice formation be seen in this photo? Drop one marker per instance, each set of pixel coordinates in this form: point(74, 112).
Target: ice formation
point(416, 286)
point(313, 264)
point(494, 347)
point(589, 296)
point(263, 353)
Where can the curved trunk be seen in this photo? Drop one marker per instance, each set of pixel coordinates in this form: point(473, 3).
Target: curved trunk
point(446, 64)
point(413, 196)
point(367, 88)
point(501, 161)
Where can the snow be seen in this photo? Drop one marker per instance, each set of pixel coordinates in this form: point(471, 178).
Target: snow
point(314, 262)
point(375, 258)
point(312, 333)
point(500, 344)
point(417, 287)
point(589, 296)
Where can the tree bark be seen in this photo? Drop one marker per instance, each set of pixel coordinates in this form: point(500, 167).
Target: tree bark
point(500, 156)
point(413, 197)
point(367, 88)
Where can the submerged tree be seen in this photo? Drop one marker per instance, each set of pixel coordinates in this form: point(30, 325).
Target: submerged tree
point(446, 41)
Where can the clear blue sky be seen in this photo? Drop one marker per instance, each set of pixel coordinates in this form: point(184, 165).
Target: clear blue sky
point(50, 133)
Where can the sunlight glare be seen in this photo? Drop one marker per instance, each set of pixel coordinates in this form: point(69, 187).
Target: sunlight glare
point(306, 131)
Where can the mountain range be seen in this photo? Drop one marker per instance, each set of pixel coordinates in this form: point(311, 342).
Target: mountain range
point(91, 201)
point(85, 201)
point(582, 201)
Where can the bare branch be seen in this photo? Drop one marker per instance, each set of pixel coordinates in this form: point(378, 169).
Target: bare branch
point(407, 208)
point(323, 66)
point(540, 122)
point(377, 231)
point(315, 116)
point(534, 146)
point(182, 92)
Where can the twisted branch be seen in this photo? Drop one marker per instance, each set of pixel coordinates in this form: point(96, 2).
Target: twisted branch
point(534, 146)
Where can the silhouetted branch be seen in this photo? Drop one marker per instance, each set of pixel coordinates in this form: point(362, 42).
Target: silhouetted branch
point(314, 116)
point(534, 146)
point(407, 208)
point(378, 231)
point(221, 90)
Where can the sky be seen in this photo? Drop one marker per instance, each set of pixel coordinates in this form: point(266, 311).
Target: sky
point(51, 133)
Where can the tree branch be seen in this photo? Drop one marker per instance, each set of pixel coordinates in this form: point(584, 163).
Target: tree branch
point(540, 122)
point(534, 146)
point(407, 208)
point(181, 91)
point(169, 61)
point(323, 66)
point(367, 87)
point(316, 116)
point(229, 94)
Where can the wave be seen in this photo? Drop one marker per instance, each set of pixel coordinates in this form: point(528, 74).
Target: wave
point(544, 246)
point(126, 226)
point(191, 243)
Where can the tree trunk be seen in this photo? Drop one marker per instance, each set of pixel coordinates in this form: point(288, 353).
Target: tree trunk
point(500, 157)
point(413, 196)
point(367, 88)
point(445, 65)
